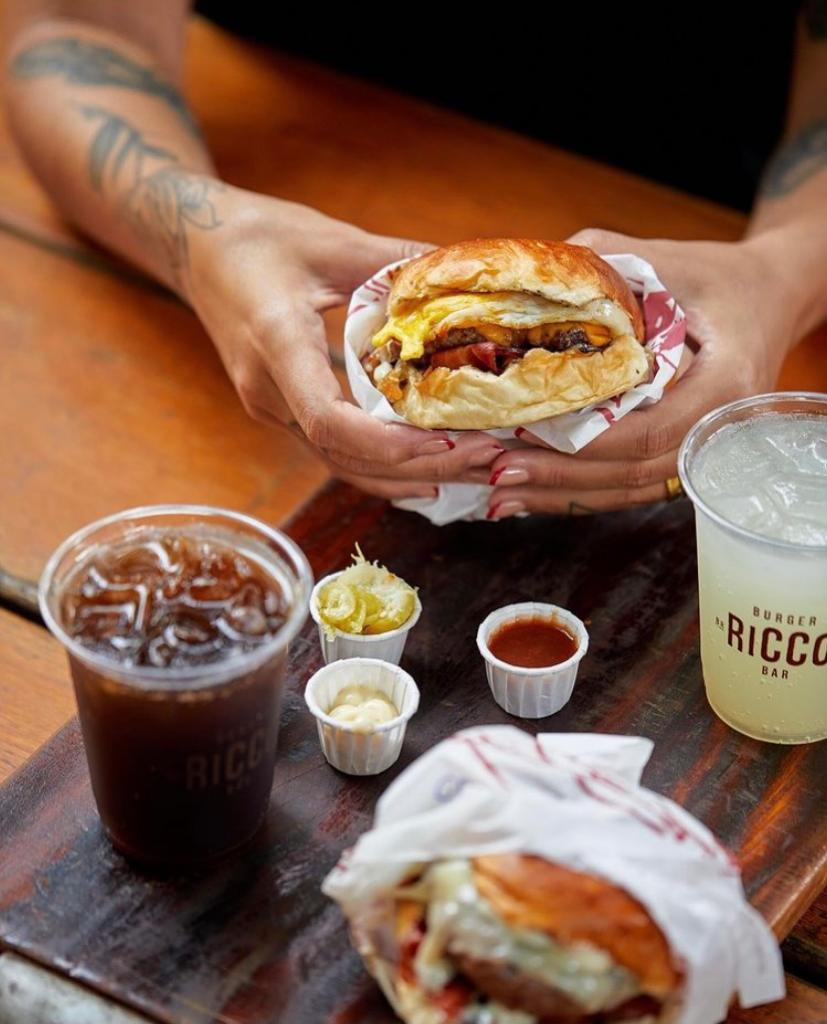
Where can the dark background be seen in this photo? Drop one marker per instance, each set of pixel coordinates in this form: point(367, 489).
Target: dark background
point(692, 95)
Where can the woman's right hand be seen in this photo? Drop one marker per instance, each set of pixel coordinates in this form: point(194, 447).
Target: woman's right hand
point(260, 281)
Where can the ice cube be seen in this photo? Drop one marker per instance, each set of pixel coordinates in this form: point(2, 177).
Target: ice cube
point(248, 620)
point(190, 629)
point(159, 653)
point(769, 475)
point(246, 612)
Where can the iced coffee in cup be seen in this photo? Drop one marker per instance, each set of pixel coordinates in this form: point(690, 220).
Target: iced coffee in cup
point(756, 471)
point(176, 620)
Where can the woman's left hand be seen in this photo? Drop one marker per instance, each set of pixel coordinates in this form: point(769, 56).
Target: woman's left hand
point(740, 325)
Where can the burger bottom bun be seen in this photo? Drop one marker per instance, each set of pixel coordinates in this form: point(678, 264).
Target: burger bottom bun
point(540, 384)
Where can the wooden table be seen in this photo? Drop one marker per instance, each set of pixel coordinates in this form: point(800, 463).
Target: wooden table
point(113, 396)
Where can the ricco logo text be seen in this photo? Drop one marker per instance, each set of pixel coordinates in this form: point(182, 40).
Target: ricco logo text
point(781, 641)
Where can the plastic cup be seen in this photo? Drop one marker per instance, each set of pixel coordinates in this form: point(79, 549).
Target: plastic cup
point(181, 758)
point(380, 646)
point(531, 692)
point(762, 600)
point(350, 750)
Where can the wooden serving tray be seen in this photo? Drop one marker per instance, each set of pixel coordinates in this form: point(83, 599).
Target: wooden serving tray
point(254, 940)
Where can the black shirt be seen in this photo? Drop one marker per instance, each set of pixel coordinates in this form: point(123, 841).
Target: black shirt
point(692, 95)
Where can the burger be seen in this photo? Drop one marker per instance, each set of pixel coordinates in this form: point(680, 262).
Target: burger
point(515, 939)
point(501, 332)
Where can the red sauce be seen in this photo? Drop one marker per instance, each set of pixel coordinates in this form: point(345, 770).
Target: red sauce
point(534, 642)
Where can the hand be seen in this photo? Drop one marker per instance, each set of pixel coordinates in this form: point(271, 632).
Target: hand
point(740, 326)
point(260, 283)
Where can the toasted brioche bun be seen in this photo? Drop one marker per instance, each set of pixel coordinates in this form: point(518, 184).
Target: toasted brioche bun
point(558, 271)
point(529, 892)
point(542, 383)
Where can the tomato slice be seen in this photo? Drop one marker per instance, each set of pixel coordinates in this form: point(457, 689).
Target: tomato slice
point(453, 999)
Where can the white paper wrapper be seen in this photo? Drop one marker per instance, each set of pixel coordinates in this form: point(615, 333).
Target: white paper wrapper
point(576, 800)
point(665, 335)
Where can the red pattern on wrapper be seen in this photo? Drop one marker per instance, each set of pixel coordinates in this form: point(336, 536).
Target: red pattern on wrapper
point(665, 332)
point(649, 810)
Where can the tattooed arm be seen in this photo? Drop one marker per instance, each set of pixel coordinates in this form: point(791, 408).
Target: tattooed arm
point(93, 93)
point(747, 303)
point(96, 109)
point(790, 215)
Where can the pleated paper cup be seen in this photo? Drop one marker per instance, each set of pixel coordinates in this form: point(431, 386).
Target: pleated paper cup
point(531, 692)
point(337, 644)
point(349, 750)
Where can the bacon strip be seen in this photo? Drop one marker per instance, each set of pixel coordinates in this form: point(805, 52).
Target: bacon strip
point(484, 355)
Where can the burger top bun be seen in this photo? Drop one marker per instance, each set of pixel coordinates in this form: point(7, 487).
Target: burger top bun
point(557, 271)
point(530, 892)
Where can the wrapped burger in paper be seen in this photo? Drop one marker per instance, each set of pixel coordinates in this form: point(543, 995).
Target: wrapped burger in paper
point(665, 334)
point(619, 864)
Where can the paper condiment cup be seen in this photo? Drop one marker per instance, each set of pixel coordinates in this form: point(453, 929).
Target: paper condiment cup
point(351, 751)
point(531, 692)
point(382, 646)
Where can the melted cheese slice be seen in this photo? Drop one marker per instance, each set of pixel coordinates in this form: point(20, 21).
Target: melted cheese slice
point(506, 309)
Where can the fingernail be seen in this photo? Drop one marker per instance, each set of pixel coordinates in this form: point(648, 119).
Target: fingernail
point(509, 475)
point(485, 457)
point(436, 447)
point(519, 432)
point(504, 509)
point(434, 492)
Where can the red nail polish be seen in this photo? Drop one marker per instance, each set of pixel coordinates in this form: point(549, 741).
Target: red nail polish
point(438, 446)
point(495, 476)
point(435, 491)
point(519, 432)
point(492, 512)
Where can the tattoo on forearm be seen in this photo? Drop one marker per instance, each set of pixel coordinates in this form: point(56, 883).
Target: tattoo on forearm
point(159, 200)
point(84, 63)
point(120, 140)
point(164, 205)
point(795, 162)
point(815, 18)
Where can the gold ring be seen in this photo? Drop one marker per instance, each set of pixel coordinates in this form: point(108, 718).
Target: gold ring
point(674, 488)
